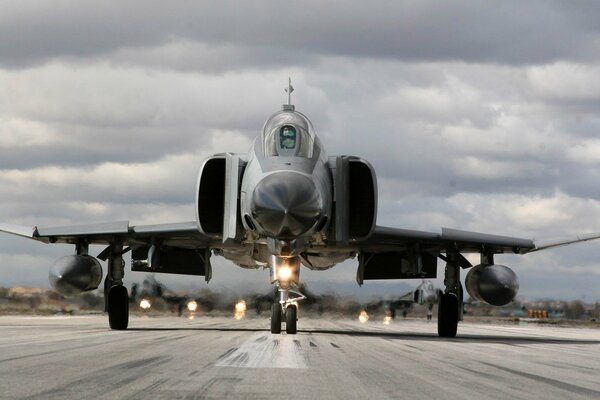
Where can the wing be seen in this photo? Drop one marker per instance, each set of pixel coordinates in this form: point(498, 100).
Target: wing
point(391, 253)
point(182, 234)
point(407, 297)
point(180, 247)
point(386, 239)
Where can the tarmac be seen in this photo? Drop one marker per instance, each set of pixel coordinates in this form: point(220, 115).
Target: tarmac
point(77, 357)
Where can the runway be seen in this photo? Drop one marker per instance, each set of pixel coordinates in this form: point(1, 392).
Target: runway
point(217, 358)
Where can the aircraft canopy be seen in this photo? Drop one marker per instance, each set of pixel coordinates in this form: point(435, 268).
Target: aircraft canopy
point(288, 134)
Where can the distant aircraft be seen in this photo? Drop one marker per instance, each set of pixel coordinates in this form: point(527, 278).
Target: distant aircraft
point(152, 289)
point(424, 294)
point(284, 204)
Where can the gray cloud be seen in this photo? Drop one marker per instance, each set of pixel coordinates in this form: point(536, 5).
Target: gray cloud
point(502, 32)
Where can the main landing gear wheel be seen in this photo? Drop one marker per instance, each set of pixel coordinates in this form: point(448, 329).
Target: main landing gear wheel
point(118, 307)
point(447, 315)
point(276, 318)
point(291, 319)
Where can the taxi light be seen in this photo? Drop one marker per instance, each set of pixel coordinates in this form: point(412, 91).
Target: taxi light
point(240, 310)
point(145, 304)
point(241, 306)
point(192, 306)
point(363, 317)
point(284, 272)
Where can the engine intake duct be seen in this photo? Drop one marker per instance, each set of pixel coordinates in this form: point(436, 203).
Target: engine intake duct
point(494, 284)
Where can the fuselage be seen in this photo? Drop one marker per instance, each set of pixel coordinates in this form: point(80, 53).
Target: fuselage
point(286, 190)
point(286, 198)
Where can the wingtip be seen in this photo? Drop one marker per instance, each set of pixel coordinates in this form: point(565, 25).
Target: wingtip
point(19, 230)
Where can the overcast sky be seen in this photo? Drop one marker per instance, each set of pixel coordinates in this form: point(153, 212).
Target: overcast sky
point(476, 115)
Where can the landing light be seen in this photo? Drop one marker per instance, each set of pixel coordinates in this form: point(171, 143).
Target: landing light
point(240, 310)
point(363, 317)
point(284, 272)
point(387, 319)
point(145, 304)
point(241, 306)
point(192, 306)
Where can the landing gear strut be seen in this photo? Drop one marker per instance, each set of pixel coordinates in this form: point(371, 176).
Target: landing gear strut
point(286, 307)
point(115, 294)
point(450, 304)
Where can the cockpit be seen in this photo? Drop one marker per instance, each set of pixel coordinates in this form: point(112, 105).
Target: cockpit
point(288, 134)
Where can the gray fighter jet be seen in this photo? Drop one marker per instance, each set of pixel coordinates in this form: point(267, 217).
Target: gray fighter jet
point(282, 205)
point(425, 294)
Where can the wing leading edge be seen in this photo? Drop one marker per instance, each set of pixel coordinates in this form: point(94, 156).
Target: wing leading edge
point(182, 234)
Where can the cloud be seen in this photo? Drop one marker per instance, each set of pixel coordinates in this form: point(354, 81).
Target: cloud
point(565, 81)
point(500, 32)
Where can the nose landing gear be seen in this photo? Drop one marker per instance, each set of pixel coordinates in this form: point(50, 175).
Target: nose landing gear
point(286, 307)
point(285, 273)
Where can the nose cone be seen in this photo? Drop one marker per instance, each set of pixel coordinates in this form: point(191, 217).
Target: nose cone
point(286, 204)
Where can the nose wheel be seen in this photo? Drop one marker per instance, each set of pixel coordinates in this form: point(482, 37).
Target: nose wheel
point(276, 318)
point(287, 309)
point(291, 320)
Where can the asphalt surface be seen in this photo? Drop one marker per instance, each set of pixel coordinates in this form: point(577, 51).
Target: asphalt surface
point(217, 358)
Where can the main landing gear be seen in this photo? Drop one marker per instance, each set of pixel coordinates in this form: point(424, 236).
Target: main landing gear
point(118, 307)
point(450, 302)
point(284, 272)
point(448, 315)
point(116, 298)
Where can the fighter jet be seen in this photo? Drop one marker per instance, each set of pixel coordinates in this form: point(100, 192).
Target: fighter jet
point(283, 205)
point(424, 294)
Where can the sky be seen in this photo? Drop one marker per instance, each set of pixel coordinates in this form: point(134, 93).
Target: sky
point(476, 116)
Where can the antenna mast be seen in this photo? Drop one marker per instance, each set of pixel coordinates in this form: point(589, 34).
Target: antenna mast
point(289, 91)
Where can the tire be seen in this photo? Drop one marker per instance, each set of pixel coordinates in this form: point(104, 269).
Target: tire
point(276, 318)
point(291, 320)
point(448, 315)
point(118, 308)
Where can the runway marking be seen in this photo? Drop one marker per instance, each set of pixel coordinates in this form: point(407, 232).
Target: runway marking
point(258, 351)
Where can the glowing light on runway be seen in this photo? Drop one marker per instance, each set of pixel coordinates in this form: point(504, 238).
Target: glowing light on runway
point(363, 317)
point(145, 304)
point(387, 320)
point(240, 310)
point(192, 306)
